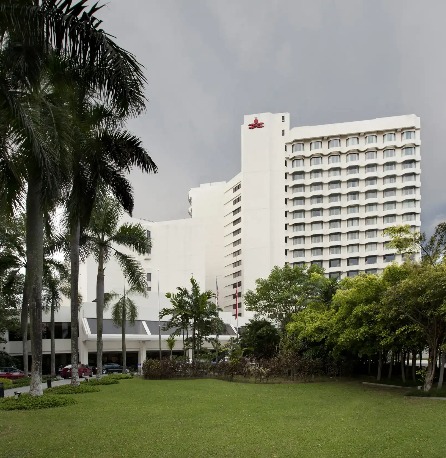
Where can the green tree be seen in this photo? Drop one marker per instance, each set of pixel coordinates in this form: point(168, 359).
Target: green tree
point(288, 290)
point(171, 341)
point(195, 310)
point(125, 311)
point(102, 236)
point(260, 338)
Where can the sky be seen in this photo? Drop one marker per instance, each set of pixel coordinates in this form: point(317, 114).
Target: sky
point(210, 62)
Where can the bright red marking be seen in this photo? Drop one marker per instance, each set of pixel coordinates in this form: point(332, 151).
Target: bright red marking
point(256, 124)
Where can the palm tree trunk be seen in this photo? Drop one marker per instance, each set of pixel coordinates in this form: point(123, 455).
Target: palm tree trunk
point(100, 310)
point(124, 348)
point(74, 301)
point(53, 341)
point(34, 267)
point(24, 325)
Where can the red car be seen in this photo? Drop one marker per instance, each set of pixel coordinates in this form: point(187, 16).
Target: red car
point(82, 368)
point(11, 372)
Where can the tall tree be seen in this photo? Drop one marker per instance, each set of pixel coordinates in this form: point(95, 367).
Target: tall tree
point(125, 311)
point(102, 236)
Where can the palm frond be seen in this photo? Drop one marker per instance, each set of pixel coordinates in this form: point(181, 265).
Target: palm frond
point(132, 236)
point(133, 271)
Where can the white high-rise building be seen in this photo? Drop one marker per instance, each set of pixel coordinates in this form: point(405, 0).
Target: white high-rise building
point(310, 195)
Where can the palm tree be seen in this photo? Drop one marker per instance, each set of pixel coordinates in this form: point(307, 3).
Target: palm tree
point(31, 32)
point(125, 310)
point(171, 344)
point(102, 235)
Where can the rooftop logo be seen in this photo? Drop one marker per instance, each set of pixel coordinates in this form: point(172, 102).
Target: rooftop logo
point(256, 124)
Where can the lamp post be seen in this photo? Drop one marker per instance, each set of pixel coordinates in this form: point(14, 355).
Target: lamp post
point(159, 318)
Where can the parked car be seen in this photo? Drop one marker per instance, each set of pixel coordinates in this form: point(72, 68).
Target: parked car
point(84, 371)
point(112, 368)
point(11, 373)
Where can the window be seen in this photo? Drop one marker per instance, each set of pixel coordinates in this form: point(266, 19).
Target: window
point(408, 152)
point(334, 275)
point(237, 210)
point(353, 248)
point(317, 263)
point(409, 217)
point(236, 253)
point(409, 203)
point(317, 160)
point(334, 159)
point(371, 259)
point(353, 235)
point(352, 141)
point(236, 187)
point(298, 240)
point(336, 172)
point(236, 200)
point(353, 196)
point(334, 263)
point(389, 166)
point(317, 212)
point(389, 219)
point(390, 179)
point(334, 185)
point(389, 257)
point(299, 227)
point(371, 194)
point(370, 155)
point(299, 214)
point(408, 135)
point(352, 183)
point(316, 174)
point(389, 206)
point(236, 264)
point(371, 181)
point(371, 234)
point(298, 253)
point(317, 199)
point(298, 176)
point(317, 238)
point(371, 139)
point(389, 137)
point(334, 143)
point(371, 208)
point(317, 226)
point(236, 221)
point(389, 192)
point(299, 201)
point(353, 261)
point(353, 222)
point(315, 145)
point(335, 250)
point(352, 209)
point(409, 177)
point(149, 277)
point(298, 147)
point(298, 162)
point(371, 247)
point(237, 232)
point(352, 170)
point(316, 187)
point(298, 264)
point(237, 242)
point(409, 165)
point(336, 237)
point(371, 271)
point(389, 153)
point(371, 168)
point(334, 224)
point(371, 221)
point(298, 188)
point(317, 251)
point(335, 211)
point(408, 191)
point(352, 157)
point(334, 198)
point(352, 273)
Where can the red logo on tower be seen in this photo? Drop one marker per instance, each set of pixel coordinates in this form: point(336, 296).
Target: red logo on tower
point(256, 124)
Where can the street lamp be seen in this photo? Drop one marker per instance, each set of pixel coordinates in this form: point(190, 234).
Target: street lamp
point(159, 313)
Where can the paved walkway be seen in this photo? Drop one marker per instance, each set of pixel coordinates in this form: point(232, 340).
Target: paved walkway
point(25, 389)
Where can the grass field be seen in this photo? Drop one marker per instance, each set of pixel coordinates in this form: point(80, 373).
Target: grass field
point(212, 418)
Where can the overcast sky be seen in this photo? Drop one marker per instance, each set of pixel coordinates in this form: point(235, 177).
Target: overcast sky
point(324, 61)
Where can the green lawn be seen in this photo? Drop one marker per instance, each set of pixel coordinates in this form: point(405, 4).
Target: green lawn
point(211, 418)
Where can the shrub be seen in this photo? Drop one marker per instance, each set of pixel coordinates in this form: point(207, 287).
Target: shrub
point(6, 383)
point(102, 381)
point(120, 376)
point(167, 368)
point(27, 402)
point(71, 389)
point(24, 381)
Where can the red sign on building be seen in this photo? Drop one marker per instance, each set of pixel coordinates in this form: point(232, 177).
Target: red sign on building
point(256, 124)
